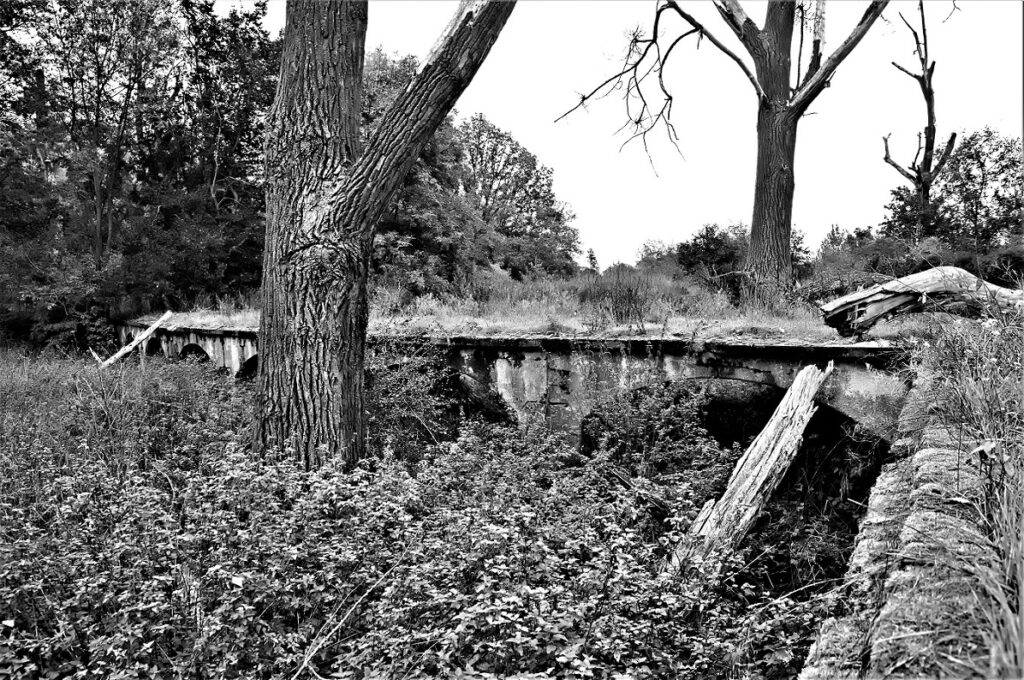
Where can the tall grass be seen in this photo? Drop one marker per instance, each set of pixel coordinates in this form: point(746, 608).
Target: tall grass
point(978, 388)
point(621, 301)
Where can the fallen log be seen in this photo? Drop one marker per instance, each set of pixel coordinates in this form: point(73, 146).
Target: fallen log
point(139, 339)
point(722, 524)
point(857, 312)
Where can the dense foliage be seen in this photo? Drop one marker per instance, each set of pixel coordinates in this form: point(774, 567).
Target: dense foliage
point(131, 154)
point(131, 170)
point(140, 538)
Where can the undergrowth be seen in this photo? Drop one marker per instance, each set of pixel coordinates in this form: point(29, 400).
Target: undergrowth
point(141, 538)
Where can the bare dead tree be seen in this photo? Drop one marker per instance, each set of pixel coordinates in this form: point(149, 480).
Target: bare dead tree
point(780, 107)
point(925, 167)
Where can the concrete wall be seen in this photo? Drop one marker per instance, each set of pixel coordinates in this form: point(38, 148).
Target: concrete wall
point(224, 347)
point(559, 380)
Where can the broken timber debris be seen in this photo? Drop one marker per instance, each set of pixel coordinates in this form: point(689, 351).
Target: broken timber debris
point(139, 339)
point(722, 524)
point(857, 312)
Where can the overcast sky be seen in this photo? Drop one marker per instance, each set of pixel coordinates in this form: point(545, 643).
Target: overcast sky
point(552, 50)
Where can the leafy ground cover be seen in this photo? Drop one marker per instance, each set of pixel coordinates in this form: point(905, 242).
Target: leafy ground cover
point(139, 537)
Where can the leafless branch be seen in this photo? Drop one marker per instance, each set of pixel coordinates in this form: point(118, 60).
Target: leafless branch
point(813, 86)
point(717, 43)
point(917, 154)
point(912, 75)
point(741, 24)
point(818, 43)
point(644, 57)
point(951, 12)
point(924, 34)
point(800, 52)
point(917, 38)
point(944, 156)
point(888, 159)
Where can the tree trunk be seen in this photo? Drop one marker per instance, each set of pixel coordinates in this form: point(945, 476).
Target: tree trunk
point(770, 256)
point(97, 231)
point(924, 206)
point(323, 202)
point(311, 333)
point(934, 288)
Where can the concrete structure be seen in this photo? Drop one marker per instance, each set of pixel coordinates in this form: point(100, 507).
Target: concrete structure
point(559, 379)
point(912, 578)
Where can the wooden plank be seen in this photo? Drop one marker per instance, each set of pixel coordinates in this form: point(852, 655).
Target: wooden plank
point(722, 524)
point(139, 339)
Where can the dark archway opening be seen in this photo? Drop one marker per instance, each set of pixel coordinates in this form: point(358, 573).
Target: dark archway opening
point(249, 368)
point(154, 347)
point(193, 352)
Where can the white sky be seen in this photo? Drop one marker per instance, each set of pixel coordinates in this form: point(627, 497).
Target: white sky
point(552, 50)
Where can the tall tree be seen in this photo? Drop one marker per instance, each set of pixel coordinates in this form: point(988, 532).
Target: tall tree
point(515, 195)
point(926, 166)
point(976, 203)
point(781, 103)
point(324, 199)
point(982, 192)
point(100, 56)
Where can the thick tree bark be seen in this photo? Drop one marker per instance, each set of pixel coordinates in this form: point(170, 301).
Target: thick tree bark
point(312, 324)
point(770, 256)
point(323, 202)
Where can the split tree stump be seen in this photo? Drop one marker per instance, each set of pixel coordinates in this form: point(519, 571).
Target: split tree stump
point(857, 312)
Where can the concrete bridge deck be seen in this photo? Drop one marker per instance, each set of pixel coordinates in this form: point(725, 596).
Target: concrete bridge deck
point(561, 378)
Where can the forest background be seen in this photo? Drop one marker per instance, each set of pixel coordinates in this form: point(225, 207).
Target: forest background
point(131, 180)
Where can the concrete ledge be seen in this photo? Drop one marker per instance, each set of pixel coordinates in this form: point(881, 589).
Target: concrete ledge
point(909, 594)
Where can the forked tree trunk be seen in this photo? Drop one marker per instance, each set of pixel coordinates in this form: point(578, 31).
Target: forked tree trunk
point(780, 106)
point(323, 202)
point(770, 256)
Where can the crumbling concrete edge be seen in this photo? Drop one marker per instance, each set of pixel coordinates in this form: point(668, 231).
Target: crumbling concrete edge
point(902, 595)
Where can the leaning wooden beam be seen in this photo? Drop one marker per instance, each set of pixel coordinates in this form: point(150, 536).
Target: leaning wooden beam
point(139, 339)
point(857, 312)
point(722, 524)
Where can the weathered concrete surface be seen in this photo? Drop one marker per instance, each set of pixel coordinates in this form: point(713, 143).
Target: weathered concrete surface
point(562, 382)
point(559, 380)
point(225, 347)
point(905, 595)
